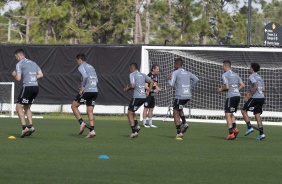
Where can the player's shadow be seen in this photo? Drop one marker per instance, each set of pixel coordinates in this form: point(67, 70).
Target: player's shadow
point(167, 136)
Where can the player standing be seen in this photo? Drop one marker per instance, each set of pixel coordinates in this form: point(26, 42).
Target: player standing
point(150, 100)
point(137, 82)
point(88, 92)
point(180, 80)
point(30, 72)
point(232, 83)
point(255, 99)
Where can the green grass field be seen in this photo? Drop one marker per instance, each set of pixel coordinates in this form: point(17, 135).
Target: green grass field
point(55, 153)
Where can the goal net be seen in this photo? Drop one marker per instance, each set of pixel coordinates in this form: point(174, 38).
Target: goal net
point(7, 106)
point(206, 64)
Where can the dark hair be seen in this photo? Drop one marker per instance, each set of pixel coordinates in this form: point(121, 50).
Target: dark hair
point(19, 51)
point(255, 67)
point(81, 56)
point(154, 66)
point(178, 61)
point(133, 65)
point(227, 62)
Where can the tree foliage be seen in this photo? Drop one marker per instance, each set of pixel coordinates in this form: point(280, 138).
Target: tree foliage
point(114, 22)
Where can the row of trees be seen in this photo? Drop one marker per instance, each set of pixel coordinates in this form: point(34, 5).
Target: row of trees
point(135, 21)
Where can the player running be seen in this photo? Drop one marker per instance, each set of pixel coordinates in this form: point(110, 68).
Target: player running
point(137, 82)
point(30, 72)
point(88, 92)
point(254, 100)
point(232, 83)
point(180, 80)
point(150, 100)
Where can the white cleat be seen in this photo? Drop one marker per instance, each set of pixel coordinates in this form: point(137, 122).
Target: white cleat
point(133, 135)
point(91, 134)
point(146, 126)
point(31, 130)
point(82, 127)
point(24, 132)
point(153, 126)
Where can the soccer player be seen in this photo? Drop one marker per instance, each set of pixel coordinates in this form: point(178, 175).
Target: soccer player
point(88, 92)
point(182, 81)
point(232, 83)
point(150, 100)
point(137, 82)
point(30, 72)
point(254, 100)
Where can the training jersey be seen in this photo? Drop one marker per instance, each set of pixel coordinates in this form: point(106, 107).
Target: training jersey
point(181, 82)
point(233, 79)
point(89, 77)
point(155, 79)
point(29, 70)
point(256, 78)
point(139, 79)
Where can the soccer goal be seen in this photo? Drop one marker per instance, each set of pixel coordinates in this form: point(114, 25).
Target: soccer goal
point(7, 105)
point(206, 63)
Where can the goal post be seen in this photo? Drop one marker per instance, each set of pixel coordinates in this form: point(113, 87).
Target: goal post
point(206, 63)
point(7, 105)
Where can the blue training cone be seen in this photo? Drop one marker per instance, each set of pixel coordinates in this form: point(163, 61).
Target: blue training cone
point(104, 157)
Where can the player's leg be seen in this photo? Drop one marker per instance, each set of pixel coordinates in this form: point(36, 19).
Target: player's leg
point(22, 100)
point(184, 125)
point(74, 106)
point(228, 118)
point(145, 115)
point(151, 106)
point(176, 117)
point(246, 117)
point(29, 118)
point(257, 113)
point(132, 107)
point(234, 104)
point(90, 109)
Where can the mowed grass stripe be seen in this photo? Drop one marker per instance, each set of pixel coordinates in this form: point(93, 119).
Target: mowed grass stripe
point(55, 153)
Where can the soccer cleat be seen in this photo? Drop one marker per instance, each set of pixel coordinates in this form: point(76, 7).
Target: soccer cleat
point(82, 127)
point(146, 126)
point(133, 135)
point(31, 130)
point(180, 135)
point(249, 130)
point(24, 132)
point(230, 137)
point(138, 128)
point(153, 126)
point(260, 137)
point(236, 132)
point(91, 134)
point(184, 127)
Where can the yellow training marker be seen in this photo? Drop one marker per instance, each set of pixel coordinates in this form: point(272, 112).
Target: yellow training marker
point(179, 139)
point(12, 137)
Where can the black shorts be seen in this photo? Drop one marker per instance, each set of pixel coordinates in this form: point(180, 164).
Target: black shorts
point(231, 104)
point(135, 103)
point(254, 105)
point(179, 104)
point(28, 94)
point(88, 97)
point(150, 102)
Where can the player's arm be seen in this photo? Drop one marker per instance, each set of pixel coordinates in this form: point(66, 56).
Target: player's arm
point(171, 79)
point(225, 86)
point(39, 74)
point(241, 85)
point(17, 76)
point(263, 89)
point(194, 79)
point(254, 89)
point(132, 83)
point(84, 77)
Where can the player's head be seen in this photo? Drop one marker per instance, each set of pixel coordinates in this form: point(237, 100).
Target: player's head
point(255, 67)
point(19, 54)
point(133, 67)
point(155, 69)
point(178, 62)
point(80, 58)
point(226, 65)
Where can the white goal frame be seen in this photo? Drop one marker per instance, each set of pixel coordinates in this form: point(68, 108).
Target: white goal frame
point(12, 98)
point(145, 68)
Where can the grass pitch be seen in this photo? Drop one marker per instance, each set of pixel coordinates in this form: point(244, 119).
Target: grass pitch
point(55, 153)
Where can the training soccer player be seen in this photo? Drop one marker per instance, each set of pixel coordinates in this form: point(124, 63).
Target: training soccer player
point(88, 92)
point(137, 82)
point(182, 81)
point(150, 100)
point(232, 84)
point(30, 72)
point(254, 100)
